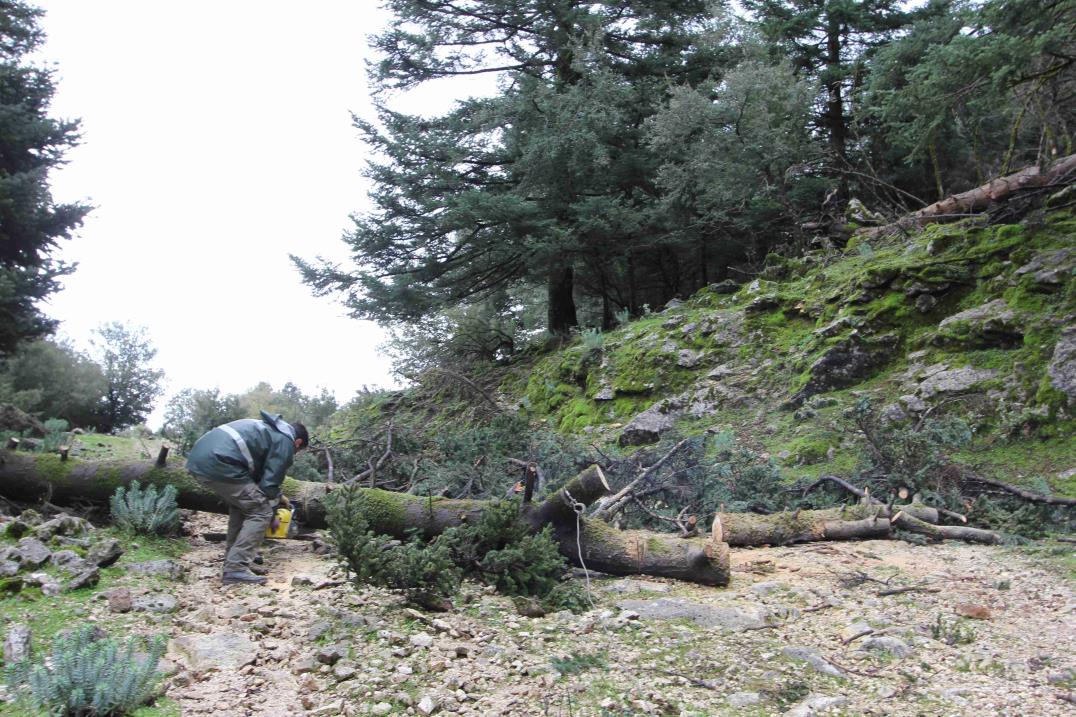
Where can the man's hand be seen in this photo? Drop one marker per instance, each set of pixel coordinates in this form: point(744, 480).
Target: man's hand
point(284, 502)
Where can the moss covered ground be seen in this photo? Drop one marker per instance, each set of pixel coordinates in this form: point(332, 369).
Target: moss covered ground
point(753, 350)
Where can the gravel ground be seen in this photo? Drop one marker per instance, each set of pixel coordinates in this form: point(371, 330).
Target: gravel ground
point(802, 631)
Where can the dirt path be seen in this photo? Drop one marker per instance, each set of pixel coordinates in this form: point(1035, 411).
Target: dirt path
point(800, 628)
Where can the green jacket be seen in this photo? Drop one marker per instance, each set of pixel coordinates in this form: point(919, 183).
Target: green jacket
point(254, 449)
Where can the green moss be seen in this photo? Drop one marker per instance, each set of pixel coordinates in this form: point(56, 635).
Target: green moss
point(387, 511)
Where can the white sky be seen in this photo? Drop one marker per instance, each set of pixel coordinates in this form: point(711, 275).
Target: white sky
point(217, 138)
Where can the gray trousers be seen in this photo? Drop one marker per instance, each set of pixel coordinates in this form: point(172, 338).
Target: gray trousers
point(249, 514)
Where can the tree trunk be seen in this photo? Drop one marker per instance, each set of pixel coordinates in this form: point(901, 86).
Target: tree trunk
point(34, 477)
point(980, 198)
point(804, 526)
point(561, 310)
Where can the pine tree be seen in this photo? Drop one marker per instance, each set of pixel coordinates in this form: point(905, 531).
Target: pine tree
point(31, 144)
point(547, 183)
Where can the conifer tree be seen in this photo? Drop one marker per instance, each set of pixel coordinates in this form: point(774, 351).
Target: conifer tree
point(31, 144)
point(546, 183)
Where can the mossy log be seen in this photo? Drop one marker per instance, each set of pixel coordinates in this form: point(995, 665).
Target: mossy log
point(804, 526)
point(36, 477)
point(942, 532)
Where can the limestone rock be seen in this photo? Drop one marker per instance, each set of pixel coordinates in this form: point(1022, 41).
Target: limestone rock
point(63, 525)
point(990, 324)
point(164, 568)
point(813, 658)
point(954, 380)
point(845, 364)
point(225, 651)
point(647, 427)
point(105, 553)
point(1062, 368)
point(17, 644)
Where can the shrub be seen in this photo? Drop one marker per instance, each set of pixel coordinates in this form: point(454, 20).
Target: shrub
point(145, 511)
point(88, 677)
point(423, 574)
point(951, 632)
point(497, 549)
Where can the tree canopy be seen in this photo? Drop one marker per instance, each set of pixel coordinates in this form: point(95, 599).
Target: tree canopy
point(31, 144)
point(634, 152)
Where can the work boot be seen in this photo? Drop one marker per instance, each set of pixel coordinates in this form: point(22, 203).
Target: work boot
point(244, 577)
point(259, 569)
point(258, 559)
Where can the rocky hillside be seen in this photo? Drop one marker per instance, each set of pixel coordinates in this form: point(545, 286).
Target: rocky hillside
point(975, 321)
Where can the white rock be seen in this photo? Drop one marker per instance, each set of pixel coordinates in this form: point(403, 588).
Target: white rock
point(426, 706)
point(422, 640)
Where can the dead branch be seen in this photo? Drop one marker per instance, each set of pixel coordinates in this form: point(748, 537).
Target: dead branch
point(943, 532)
point(614, 504)
point(1019, 492)
point(470, 384)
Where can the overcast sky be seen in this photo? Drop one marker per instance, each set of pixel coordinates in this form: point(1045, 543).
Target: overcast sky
point(217, 138)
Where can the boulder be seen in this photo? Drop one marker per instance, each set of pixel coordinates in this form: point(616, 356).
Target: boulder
point(954, 380)
point(104, 553)
point(224, 651)
point(1049, 270)
point(17, 644)
point(815, 705)
point(1062, 368)
point(69, 561)
point(648, 426)
point(989, 325)
point(30, 552)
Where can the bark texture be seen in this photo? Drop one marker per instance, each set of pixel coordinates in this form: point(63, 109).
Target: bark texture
point(31, 477)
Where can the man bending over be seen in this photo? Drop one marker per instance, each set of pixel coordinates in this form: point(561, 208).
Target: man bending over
point(244, 462)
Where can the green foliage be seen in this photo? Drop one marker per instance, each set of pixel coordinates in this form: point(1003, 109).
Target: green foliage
point(499, 550)
point(32, 144)
point(577, 662)
point(1020, 518)
point(50, 378)
point(952, 632)
point(55, 435)
point(192, 412)
point(145, 511)
point(592, 339)
point(424, 574)
point(125, 354)
point(87, 676)
point(569, 595)
point(913, 457)
point(496, 548)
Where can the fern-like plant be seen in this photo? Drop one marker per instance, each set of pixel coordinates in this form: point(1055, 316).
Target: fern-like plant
point(88, 677)
point(145, 511)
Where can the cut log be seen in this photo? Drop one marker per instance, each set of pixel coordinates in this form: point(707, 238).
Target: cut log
point(945, 532)
point(803, 526)
point(28, 477)
point(978, 199)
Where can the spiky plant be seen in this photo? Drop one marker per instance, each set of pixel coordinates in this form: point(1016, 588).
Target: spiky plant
point(145, 511)
point(84, 676)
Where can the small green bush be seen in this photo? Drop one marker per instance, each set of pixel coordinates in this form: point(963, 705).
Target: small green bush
point(88, 677)
point(578, 662)
point(145, 511)
point(951, 632)
point(424, 574)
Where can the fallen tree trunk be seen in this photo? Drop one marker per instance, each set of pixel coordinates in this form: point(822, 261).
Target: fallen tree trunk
point(43, 477)
point(943, 532)
point(803, 526)
point(975, 200)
